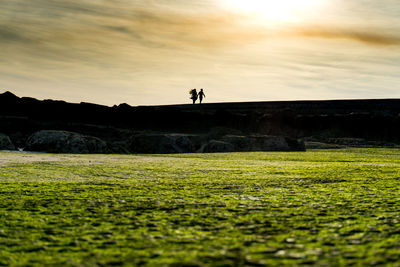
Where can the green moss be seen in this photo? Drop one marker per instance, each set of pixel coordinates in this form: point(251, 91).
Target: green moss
point(322, 207)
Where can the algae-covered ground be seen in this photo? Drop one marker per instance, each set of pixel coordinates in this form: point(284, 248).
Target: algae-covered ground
point(321, 207)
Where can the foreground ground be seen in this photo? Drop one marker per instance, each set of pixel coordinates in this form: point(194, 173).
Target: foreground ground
point(321, 207)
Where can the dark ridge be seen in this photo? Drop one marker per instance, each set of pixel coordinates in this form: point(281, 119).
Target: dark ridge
point(8, 97)
point(371, 119)
point(302, 106)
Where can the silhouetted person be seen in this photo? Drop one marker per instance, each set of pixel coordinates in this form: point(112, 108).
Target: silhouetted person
point(193, 94)
point(201, 95)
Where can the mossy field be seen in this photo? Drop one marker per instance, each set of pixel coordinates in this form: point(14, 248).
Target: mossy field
point(320, 207)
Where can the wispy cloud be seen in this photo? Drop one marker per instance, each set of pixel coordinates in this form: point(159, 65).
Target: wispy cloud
point(84, 30)
point(68, 30)
point(370, 37)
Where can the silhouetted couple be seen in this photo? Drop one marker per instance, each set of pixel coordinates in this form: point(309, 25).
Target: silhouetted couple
point(194, 95)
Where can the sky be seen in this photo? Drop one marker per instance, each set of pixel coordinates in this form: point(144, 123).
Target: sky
point(152, 52)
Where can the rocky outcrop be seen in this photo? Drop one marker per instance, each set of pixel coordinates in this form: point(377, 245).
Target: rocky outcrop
point(295, 144)
point(263, 143)
point(160, 143)
point(155, 143)
point(217, 133)
point(374, 120)
point(65, 142)
point(53, 141)
point(118, 148)
point(215, 146)
point(320, 142)
point(5, 143)
point(239, 142)
point(320, 145)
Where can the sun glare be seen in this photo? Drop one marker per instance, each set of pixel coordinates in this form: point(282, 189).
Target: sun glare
point(276, 11)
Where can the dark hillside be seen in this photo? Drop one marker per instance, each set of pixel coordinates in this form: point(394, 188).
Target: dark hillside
point(373, 119)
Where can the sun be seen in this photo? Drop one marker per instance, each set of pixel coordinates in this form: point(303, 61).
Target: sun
point(276, 11)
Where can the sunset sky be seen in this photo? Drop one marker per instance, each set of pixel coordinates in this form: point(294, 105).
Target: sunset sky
point(152, 52)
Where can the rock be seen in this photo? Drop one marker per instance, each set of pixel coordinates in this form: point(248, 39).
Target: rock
point(217, 133)
point(18, 139)
point(65, 142)
point(154, 143)
point(296, 144)
point(350, 142)
point(198, 140)
point(215, 146)
point(118, 148)
point(320, 145)
point(5, 143)
point(269, 143)
point(239, 142)
point(183, 142)
point(320, 142)
point(263, 143)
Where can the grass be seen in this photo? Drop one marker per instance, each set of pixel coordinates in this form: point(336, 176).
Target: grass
point(322, 207)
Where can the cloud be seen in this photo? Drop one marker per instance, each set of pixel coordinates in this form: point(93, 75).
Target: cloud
point(370, 37)
point(114, 32)
point(72, 22)
point(204, 31)
point(105, 31)
point(10, 35)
